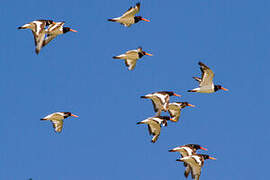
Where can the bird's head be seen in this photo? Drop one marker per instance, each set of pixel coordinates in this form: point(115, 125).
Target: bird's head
point(142, 53)
point(67, 29)
point(67, 114)
point(139, 18)
point(171, 93)
point(195, 147)
point(218, 87)
point(205, 156)
point(184, 104)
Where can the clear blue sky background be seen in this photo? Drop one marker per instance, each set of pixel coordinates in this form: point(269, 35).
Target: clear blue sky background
point(76, 73)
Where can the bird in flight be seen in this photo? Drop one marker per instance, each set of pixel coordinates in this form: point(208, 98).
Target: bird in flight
point(132, 56)
point(175, 109)
point(160, 100)
point(206, 81)
point(154, 125)
point(55, 30)
point(38, 29)
point(187, 150)
point(57, 119)
point(129, 18)
point(196, 163)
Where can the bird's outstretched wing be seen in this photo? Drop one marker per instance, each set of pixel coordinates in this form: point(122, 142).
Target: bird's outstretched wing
point(207, 75)
point(48, 39)
point(174, 111)
point(50, 32)
point(39, 28)
point(57, 125)
point(132, 11)
point(130, 63)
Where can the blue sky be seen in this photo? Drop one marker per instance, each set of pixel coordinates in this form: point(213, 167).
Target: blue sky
point(76, 73)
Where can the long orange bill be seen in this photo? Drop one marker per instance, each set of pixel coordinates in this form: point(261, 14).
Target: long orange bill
point(177, 95)
point(148, 54)
point(212, 158)
point(203, 148)
point(73, 30)
point(224, 89)
point(74, 115)
point(145, 20)
point(191, 105)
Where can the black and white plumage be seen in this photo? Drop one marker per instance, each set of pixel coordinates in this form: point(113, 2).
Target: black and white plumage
point(54, 30)
point(187, 150)
point(57, 119)
point(154, 125)
point(129, 18)
point(206, 81)
point(38, 29)
point(160, 100)
point(175, 109)
point(196, 163)
point(132, 56)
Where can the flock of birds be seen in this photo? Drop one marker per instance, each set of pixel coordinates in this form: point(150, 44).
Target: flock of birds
point(44, 31)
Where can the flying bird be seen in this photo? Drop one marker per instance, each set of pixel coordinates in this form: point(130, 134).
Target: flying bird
point(129, 18)
point(57, 119)
point(187, 150)
point(206, 81)
point(132, 56)
point(175, 109)
point(160, 100)
point(196, 162)
point(55, 30)
point(38, 29)
point(154, 125)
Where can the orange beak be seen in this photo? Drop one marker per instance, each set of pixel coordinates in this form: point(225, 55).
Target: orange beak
point(177, 95)
point(73, 30)
point(54, 22)
point(203, 148)
point(224, 89)
point(148, 54)
point(145, 20)
point(191, 105)
point(173, 120)
point(74, 115)
point(212, 158)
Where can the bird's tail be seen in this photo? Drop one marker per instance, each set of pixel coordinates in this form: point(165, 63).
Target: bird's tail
point(116, 57)
point(24, 26)
point(113, 20)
